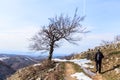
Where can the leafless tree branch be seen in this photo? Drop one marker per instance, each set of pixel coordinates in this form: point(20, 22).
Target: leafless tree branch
point(62, 27)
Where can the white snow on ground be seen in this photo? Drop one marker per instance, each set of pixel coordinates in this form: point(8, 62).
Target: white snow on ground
point(60, 60)
point(88, 72)
point(31, 59)
point(37, 64)
point(83, 64)
point(81, 76)
point(80, 62)
point(3, 58)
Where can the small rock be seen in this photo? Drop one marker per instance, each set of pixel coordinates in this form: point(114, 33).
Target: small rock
point(117, 71)
point(38, 79)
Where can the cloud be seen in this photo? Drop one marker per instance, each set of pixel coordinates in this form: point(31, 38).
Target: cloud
point(17, 39)
point(89, 41)
point(101, 36)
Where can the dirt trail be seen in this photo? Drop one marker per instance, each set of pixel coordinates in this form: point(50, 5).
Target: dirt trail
point(69, 70)
point(98, 77)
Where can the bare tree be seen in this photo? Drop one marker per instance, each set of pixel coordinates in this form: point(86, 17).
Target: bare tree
point(106, 43)
point(117, 38)
point(59, 28)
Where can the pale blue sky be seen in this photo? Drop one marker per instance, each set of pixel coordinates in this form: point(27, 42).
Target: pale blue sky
point(21, 19)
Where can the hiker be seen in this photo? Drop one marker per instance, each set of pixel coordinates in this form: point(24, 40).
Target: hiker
point(98, 59)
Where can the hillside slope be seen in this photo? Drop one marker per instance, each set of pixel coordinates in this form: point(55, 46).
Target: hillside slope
point(5, 70)
point(18, 61)
point(9, 63)
point(111, 61)
point(40, 71)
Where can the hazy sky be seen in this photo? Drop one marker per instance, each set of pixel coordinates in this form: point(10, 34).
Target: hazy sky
point(21, 19)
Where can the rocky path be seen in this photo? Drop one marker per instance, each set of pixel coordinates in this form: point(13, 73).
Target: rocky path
point(94, 76)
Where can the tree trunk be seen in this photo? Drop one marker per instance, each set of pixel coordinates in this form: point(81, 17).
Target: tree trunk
point(51, 51)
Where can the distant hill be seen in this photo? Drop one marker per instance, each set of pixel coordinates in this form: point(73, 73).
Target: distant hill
point(5, 70)
point(9, 63)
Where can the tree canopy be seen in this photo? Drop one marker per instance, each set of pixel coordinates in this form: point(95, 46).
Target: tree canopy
point(59, 28)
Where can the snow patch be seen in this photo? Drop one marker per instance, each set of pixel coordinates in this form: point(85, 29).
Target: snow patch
point(3, 58)
point(31, 59)
point(82, 63)
point(38, 79)
point(51, 70)
point(26, 59)
point(88, 72)
point(80, 76)
point(60, 60)
point(117, 71)
point(37, 64)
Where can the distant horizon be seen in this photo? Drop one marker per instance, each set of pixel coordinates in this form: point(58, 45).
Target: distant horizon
point(34, 54)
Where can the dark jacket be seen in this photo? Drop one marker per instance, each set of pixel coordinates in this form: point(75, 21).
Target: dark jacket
point(99, 56)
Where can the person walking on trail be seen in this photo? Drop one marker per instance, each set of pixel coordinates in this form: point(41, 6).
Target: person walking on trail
point(98, 59)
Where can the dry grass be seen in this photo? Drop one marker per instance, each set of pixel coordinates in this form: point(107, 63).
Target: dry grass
point(47, 70)
point(76, 67)
point(57, 74)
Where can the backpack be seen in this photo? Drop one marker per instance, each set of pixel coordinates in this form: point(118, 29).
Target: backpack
point(98, 56)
